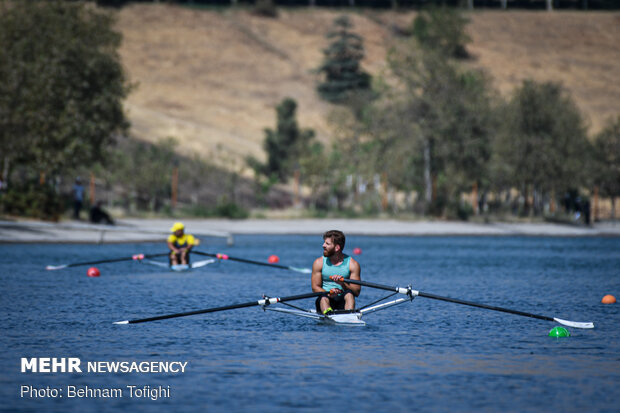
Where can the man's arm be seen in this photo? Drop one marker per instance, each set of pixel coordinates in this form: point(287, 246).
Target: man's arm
point(172, 247)
point(192, 242)
point(317, 277)
point(356, 273)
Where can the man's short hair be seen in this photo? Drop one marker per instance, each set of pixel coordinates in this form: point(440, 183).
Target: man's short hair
point(337, 237)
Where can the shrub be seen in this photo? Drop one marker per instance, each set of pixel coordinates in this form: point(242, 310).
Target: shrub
point(32, 200)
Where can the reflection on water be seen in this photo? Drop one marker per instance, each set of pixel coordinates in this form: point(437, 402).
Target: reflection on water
point(424, 356)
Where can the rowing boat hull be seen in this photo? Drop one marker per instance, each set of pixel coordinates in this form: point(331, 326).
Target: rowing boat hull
point(180, 267)
point(349, 318)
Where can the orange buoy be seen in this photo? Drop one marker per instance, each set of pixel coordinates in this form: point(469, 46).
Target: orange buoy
point(357, 251)
point(273, 259)
point(93, 272)
point(608, 299)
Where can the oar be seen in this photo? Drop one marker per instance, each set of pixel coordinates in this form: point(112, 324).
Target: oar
point(409, 291)
point(263, 302)
point(76, 264)
point(228, 257)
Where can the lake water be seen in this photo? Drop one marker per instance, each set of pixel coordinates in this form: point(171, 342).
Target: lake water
point(426, 355)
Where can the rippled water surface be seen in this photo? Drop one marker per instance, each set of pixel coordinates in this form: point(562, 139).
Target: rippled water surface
point(426, 355)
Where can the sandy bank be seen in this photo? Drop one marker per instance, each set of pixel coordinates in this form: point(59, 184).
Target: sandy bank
point(143, 230)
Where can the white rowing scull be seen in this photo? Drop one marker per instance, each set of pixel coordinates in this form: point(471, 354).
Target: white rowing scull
point(179, 267)
point(344, 317)
point(353, 317)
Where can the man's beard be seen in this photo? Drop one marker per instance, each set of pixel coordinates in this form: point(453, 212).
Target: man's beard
point(327, 253)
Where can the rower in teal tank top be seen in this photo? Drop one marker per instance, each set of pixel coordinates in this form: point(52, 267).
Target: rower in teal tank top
point(330, 269)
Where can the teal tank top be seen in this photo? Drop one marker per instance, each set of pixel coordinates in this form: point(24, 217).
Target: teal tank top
point(330, 269)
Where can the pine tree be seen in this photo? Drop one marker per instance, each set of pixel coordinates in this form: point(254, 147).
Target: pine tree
point(285, 145)
point(341, 64)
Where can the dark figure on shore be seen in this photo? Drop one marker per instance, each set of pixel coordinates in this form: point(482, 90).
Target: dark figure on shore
point(99, 215)
point(586, 212)
point(78, 197)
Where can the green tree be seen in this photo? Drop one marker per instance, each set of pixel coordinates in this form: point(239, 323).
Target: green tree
point(542, 147)
point(145, 171)
point(353, 159)
point(341, 63)
point(607, 161)
point(285, 145)
point(442, 29)
point(434, 127)
point(61, 84)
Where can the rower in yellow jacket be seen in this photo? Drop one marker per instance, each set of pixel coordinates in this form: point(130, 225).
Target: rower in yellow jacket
point(180, 244)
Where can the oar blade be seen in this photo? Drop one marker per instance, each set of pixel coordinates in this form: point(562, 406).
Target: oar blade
point(576, 324)
point(301, 270)
point(199, 264)
point(55, 267)
point(122, 322)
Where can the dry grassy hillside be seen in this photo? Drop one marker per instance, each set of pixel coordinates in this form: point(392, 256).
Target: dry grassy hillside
point(212, 79)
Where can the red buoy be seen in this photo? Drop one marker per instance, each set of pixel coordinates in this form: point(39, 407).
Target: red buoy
point(357, 251)
point(93, 272)
point(608, 299)
point(273, 259)
point(221, 256)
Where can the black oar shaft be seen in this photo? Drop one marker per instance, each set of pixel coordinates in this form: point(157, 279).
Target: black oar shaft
point(208, 310)
point(453, 300)
point(76, 264)
point(258, 263)
point(488, 307)
point(224, 308)
point(284, 267)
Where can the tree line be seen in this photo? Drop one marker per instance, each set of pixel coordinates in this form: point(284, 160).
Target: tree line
point(270, 5)
point(415, 139)
point(433, 129)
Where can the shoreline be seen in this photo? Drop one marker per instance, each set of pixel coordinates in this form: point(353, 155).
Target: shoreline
point(156, 230)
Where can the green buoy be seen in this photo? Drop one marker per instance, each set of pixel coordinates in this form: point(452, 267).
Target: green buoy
point(559, 332)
